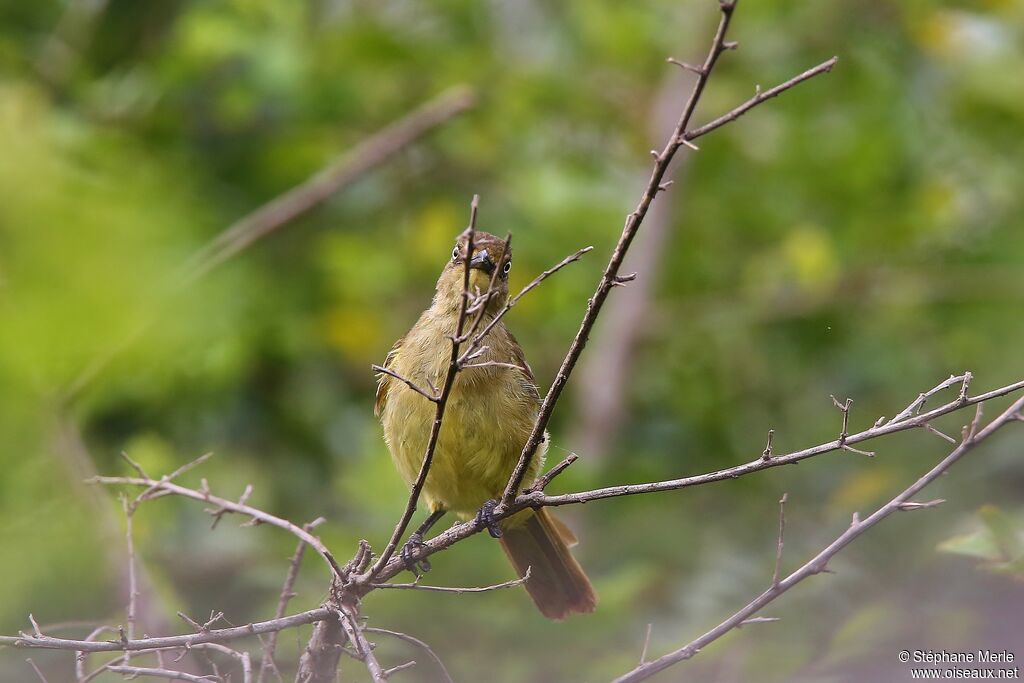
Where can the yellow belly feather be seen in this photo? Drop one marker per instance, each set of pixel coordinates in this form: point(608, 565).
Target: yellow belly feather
point(476, 449)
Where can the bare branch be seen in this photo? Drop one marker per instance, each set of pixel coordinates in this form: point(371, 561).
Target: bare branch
point(169, 642)
point(442, 402)
point(782, 533)
point(36, 669)
point(133, 588)
point(408, 382)
point(545, 479)
point(819, 562)
point(225, 506)
point(647, 644)
point(287, 593)
point(283, 209)
point(633, 222)
point(540, 499)
point(364, 650)
point(135, 671)
point(418, 643)
point(455, 589)
point(909, 422)
point(760, 97)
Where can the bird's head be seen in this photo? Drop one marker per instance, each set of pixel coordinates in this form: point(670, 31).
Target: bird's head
point(489, 261)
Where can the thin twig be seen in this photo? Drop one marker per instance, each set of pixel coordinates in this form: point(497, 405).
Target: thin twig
point(457, 589)
point(910, 422)
point(225, 506)
point(36, 669)
point(633, 222)
point(418, 643)
point(647, 644)
point(287, 593)
point(739, 111)
point(441, 404)
point(819, 562)
point(366, 156)
point(401, 667)
point(364, 650)
point(82, 658)
point(464, 530)
point(133, 588)
point(430, 396)
point(546, 478)
point(782, 533)
point(169, 642)
point(135, 671)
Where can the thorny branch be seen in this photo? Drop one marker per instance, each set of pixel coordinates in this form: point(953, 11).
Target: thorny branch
point(339, 612)
point(156, 488)
point(909, 420)
point(611, 278)
point(819, 563)
point(441, 402)
point(285, 208)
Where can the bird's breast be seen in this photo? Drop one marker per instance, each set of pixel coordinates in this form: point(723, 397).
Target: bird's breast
point(487, 420)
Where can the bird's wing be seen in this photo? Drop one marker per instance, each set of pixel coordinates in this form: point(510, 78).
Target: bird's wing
point(384, 380)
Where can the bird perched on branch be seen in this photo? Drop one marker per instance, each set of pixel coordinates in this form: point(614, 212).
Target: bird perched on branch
point(487, 421)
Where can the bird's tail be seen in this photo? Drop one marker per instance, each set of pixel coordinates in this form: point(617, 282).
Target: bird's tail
point(540, 542)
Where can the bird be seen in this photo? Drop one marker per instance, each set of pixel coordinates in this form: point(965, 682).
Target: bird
point(488, 418)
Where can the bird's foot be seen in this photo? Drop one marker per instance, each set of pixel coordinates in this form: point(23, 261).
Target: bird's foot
point(417, 567)
point(485, 519)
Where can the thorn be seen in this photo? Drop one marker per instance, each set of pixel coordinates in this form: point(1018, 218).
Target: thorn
point(621, 280)
point(730, 45)
point(867, 454)
point(938, 433)
point(879, 422)
point(684, 65)
point(915, 505)
point(963, 388)
point(681, 140)
point(654, 153)
point(767, 453)
point(665, 185)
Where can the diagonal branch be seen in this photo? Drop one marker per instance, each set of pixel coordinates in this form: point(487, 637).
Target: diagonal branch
point(819, 562)
point(441, 402)
point(188, 640)
point(287, 593)
point(611, 278)
point(283, 209)
point(157, 487)
point(535, 498)
point(760, 463)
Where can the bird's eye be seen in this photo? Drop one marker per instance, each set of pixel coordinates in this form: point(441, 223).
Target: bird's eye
point(508, 267)
point(455, 253)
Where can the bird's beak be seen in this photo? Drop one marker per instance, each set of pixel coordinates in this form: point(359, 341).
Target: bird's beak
point(482, 260)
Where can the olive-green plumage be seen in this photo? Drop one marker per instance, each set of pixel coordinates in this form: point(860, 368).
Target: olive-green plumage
point(487, 421)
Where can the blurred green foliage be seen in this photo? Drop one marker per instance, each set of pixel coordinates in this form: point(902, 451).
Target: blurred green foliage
point(858, 236)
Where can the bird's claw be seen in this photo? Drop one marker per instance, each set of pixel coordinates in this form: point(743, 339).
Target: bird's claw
point(485, 519)
point(417, 567)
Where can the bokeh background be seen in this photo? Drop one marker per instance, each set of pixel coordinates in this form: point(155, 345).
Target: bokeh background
point(859, 236)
